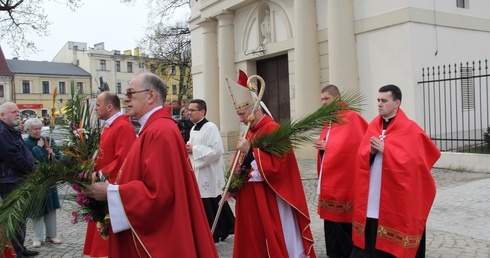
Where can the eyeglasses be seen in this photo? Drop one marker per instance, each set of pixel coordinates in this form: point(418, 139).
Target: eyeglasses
point(129, 94)
point(193, 110)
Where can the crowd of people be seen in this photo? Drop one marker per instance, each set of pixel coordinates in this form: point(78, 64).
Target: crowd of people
point(164, 183)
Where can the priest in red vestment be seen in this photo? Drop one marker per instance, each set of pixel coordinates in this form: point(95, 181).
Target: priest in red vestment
point(116, 139)
point(395, 189)
point(271, 212)
point(337, 149)
point(155, 206)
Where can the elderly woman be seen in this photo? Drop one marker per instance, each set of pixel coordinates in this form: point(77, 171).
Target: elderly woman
point(44, 150)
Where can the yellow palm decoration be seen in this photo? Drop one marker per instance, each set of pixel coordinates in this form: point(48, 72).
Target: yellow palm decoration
point(53, 110)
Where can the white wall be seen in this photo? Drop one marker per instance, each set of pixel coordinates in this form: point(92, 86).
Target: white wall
point(365, 9)
point(460, 35)
point(453, 46)
point(477, 8)
point(384, 57)
point(464, 161)
point(321, 14)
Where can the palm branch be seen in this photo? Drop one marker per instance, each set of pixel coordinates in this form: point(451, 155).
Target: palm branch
point(29, 197)
point(75, 106)
point(292, 134)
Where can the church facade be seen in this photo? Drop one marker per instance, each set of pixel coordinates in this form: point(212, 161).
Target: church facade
point(298, 46)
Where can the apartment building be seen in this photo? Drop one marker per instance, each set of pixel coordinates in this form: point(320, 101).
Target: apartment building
point(32, 84)
point(115, 69)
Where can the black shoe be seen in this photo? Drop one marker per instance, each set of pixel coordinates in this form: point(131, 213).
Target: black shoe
point(222, 238)
point(27, 252)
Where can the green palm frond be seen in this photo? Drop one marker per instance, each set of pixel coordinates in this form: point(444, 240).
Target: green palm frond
point(30, 197)
point(294, 134)
point(76, 106)
point(71, 105)
point(290, 135)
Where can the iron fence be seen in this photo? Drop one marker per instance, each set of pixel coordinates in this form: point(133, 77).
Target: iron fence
point(456, 105)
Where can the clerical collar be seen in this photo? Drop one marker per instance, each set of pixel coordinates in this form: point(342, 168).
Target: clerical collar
point(251, 126)
point(109, 121)
point(199, 124)
point(387, 121)
point(145, 117)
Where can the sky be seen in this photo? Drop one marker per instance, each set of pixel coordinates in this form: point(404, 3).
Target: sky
point(116, 24)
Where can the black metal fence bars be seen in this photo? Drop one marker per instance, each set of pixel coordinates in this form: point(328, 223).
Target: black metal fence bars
point(456, 105)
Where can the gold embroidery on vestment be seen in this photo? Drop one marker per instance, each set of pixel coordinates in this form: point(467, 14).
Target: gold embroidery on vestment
point(407, 241)
point(337, 206)
point(358, 228)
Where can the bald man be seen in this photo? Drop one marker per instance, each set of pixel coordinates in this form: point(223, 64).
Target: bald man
point(117, 138)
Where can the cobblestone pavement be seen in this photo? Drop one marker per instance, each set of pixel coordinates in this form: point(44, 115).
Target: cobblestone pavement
point(458, 225)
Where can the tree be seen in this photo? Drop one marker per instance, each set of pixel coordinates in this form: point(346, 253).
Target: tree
point(20, 18)
point(170, 48)
point(486, 138)
point(169, 44)
point(164, 9)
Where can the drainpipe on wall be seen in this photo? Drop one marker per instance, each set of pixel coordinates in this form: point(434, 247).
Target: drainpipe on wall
point(12, 90)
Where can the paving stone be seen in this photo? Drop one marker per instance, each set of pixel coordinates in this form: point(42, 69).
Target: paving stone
point(458, 225)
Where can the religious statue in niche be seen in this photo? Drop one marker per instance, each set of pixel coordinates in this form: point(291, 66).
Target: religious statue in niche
point(265, 28)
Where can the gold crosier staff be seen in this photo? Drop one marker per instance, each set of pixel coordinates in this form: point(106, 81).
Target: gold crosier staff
point(253, 88)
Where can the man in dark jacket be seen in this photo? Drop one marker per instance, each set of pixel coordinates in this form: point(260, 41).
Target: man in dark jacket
point(16, 162)
point(184, 123)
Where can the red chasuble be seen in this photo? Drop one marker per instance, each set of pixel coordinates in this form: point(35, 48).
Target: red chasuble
point(407, 187)
point(258, 230)
point(115, 143)
point(336, 198)
point(9, 251)
point(160, 197)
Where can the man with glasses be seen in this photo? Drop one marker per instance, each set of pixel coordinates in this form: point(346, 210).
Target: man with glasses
point(155, 198)
point(206, 152)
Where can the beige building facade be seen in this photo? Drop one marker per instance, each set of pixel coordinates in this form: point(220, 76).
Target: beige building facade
point(33, 93)
point(33, 84)
point(298, 46)
point(113, 67)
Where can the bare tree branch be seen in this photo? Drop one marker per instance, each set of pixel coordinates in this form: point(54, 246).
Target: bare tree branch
point(164, 9)
point(170, 46)
point(20, 20)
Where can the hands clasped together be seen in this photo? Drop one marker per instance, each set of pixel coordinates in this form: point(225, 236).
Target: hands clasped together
point(97, 191)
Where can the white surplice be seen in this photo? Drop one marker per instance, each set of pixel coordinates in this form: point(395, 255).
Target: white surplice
point(207, 159)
